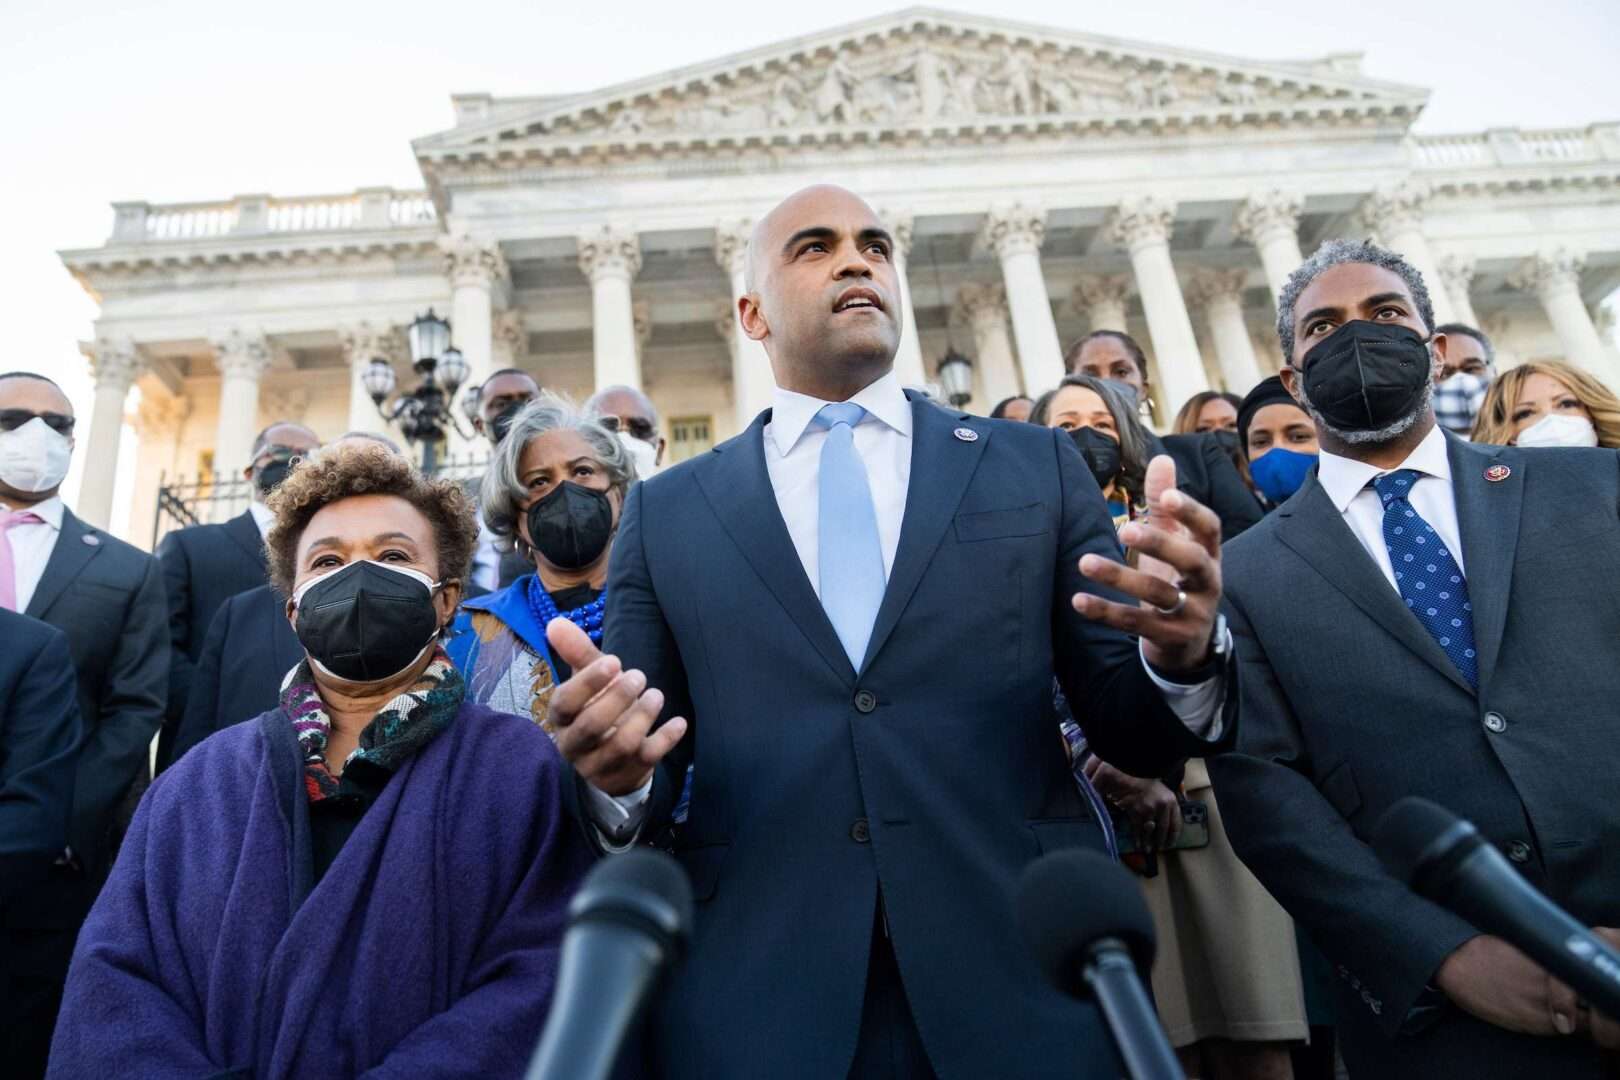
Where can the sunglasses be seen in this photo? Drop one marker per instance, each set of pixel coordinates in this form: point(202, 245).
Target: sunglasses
point(639, 427)
point(12, 419)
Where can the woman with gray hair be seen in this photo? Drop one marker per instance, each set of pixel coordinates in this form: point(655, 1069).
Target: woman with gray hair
point(553, 492)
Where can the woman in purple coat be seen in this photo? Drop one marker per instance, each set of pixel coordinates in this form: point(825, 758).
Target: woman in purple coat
point(370, 879)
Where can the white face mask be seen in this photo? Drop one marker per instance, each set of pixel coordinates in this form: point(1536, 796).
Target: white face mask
point(644, 454)
point(34, 458)
point(1557, 429)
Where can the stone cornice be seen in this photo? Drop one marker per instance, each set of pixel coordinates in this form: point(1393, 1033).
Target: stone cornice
point(328, 247)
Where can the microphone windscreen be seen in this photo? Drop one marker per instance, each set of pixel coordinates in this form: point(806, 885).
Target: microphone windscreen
point(1414, 833)
point(643, 888)
point(1069, 900)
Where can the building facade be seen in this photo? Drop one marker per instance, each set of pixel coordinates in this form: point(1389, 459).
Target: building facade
point(1040, 183)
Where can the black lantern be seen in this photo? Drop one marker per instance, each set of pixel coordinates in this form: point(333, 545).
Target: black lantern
point(424, 414)
point(956, 377)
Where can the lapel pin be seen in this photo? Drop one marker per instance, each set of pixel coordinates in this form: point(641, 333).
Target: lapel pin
point(1497, 473)
point(92, 539)
point(966, 434)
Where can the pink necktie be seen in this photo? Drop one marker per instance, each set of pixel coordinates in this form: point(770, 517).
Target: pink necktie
point(8, 563)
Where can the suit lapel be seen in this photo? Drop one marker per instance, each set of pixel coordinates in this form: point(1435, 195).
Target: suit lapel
point(245, 531)
point(68, 558)
point(738, 488)
point(941, 468)
point(1488, 519)
point(1313, 528)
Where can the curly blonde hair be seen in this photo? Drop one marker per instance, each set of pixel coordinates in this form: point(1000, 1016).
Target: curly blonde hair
point(367, 470)
point(1495, 425)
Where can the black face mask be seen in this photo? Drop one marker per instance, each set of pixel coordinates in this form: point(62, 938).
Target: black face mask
point(501, 422)
point(1365, 375)
point(571, 526)
point(367, 621)
point(1102, 454)
point(273, 472)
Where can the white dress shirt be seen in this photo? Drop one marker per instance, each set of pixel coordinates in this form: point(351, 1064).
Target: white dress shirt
point(263, 517)
point(32, 544)
point(1347, 481)
point(883, 440)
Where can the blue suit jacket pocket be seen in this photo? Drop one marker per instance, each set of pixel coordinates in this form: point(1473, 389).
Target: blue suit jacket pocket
point(702, 865)
point(1339, 788)
point(995, 524)
point(1056, 834)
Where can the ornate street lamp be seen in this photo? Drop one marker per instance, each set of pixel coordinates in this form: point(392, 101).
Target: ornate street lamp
point(424, 415)
point(956, 377)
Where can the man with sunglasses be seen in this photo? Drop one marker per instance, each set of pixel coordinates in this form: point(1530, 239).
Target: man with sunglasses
point(630, 413)
point(107, 599)
point(206, 565)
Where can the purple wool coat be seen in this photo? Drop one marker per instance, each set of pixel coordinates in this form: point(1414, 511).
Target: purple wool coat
point(429, 948)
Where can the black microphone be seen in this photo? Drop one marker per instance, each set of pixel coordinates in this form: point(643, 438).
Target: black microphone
point(1086, 921)
point(1445, 859)
point(627, 924)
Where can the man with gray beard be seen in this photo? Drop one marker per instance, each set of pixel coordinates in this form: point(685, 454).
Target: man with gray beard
point(1425, 617)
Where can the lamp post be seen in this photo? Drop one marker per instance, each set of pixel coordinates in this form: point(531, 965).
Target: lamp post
point(424, 415)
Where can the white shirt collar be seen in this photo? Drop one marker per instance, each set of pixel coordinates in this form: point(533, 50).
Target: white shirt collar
point(50, 511)
point(263, 516)
point(883, 399)
point(1344, 478)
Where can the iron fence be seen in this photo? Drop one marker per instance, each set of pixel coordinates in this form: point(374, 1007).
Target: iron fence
point(212, 498)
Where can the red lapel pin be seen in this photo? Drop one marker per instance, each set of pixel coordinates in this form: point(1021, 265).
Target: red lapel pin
point(1497, 473)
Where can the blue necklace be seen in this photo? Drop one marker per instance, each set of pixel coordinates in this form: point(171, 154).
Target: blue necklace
point(588, 617)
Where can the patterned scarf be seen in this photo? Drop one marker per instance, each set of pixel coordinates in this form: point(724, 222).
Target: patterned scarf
point(400, 728)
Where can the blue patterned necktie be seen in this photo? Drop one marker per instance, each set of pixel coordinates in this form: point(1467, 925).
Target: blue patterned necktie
point(848, 549)
point(1429, 579)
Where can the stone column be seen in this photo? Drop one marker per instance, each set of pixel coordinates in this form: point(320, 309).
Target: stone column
point(1221, 294)
point(1101, 299)
point(1015, 234)
point(114, 367)
point(985, 309)
point(242, 359)
point(1142, 227)
point(908, 358)
point(610, 256)
point(1395, 214)
point(1555, 277)
point(1270, 221)
point(1457, 275)
point(363, 343)
point(510, 343)
point(751, 379)
point(476, 270)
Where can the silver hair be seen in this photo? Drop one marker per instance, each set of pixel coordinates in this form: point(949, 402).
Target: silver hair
point(593, 404)
point(1336, 253)
point(503, 493)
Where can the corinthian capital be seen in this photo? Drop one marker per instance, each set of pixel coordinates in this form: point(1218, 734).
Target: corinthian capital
point(1013, 230)
point(1549, 272)
point(731, 245)
point(900, 225)
point(1457, 273)
point(1141, 222)
point(1211, 286)
point(114, 364)
point(364, 342)
point(982, 305)
point(241, 355)
point(610, 251)
point(161, 415)
point(1396, 207)
point(1265, 213)
point(1095, 291)
point(510, 337)
point(470, 262)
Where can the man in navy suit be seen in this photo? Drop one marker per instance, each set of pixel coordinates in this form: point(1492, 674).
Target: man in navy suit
point(205, 565)
point(856, 609)
point(1425, 616)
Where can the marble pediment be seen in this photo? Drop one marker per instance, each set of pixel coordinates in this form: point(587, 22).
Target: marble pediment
point(926, 71)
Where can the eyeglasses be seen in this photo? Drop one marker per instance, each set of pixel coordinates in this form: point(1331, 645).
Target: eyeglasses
point(12, 419)
point(638, 426)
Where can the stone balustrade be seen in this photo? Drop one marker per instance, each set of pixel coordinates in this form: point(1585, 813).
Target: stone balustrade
point(1517, 146)
point(249, 215)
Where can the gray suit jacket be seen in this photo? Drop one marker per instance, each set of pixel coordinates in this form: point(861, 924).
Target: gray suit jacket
point(1348, 704)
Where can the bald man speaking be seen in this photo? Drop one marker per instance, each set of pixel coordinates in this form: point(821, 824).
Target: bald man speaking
point(846, 621)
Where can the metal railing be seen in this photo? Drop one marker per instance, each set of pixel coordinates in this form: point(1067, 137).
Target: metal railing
point(214, 498)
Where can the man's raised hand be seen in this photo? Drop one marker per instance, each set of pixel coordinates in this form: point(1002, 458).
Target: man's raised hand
point(1178, 582)
point(604, 715)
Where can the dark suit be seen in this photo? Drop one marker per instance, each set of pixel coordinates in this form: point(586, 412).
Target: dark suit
point(931, 777)
point(249, 649)
point(203, 566)
point(1205, 472)
point(1349, 704)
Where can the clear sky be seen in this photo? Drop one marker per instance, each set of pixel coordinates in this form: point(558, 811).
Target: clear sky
point(183, 100)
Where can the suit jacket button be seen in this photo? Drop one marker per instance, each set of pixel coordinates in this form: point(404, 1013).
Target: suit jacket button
point(1495, 723)
point(1519, 851)
point(865, 701)
point(860, 832)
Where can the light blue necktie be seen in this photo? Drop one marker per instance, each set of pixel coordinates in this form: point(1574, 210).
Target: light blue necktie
point(849, 552)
